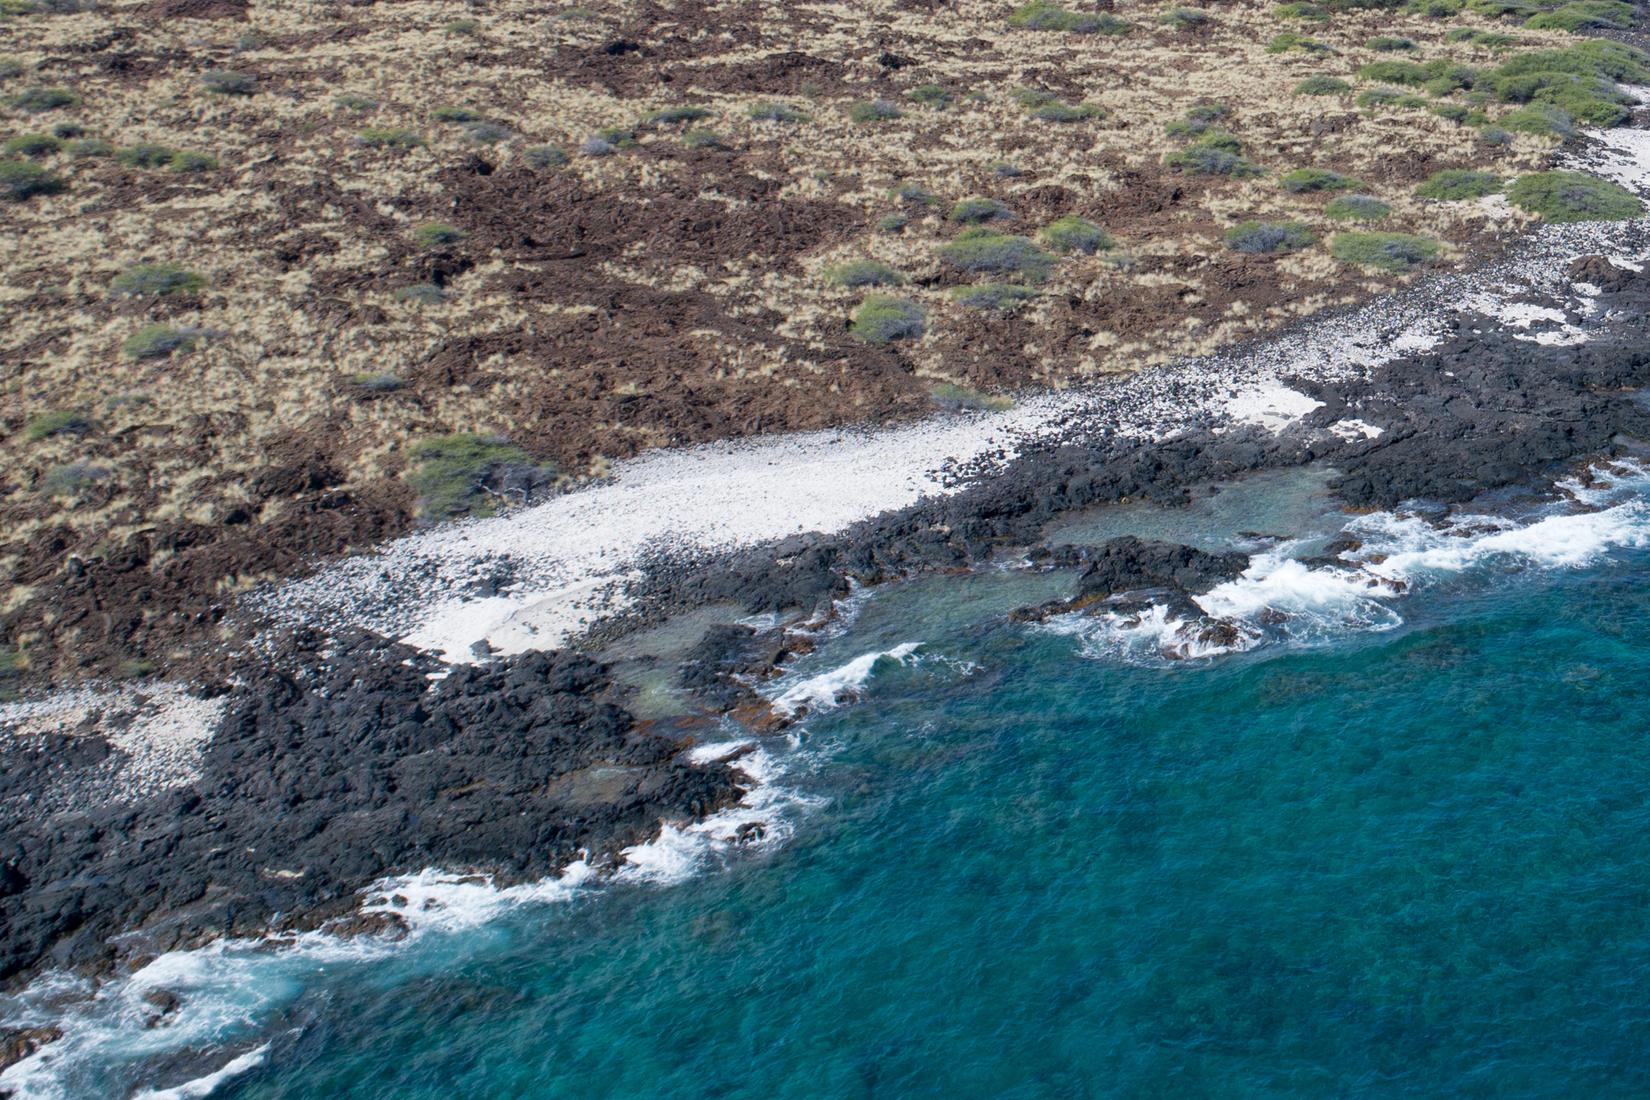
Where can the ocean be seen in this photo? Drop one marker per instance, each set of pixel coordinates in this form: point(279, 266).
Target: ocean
point(1391, 842)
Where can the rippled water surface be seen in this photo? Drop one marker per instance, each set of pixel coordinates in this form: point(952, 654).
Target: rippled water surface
point(1408, 857)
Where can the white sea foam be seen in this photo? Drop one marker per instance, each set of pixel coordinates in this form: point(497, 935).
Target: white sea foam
point(206, 1086)
point(828, 689)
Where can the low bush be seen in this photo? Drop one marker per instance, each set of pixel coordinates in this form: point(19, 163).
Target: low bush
point(1268, 237)
point(544, 156)
point(160, 341)
point(1437, 9)
point(1361, 208)
point(35, 101)
point(952, 396)
point(32, 145)
point(930, 95)
point(187, 160)
point(1457, 184)
point(1385, 251)
point(1304, 180)
point(998, 297)
point(861, 273)
point(1074, 234)
point(1067, 112)
point(1494, 136)
point(913, 194)
point(703, 139)
point(156, 281)
point(462, 26)
point(1538, 118)
point(379, 383)
point(1322, 85)
point(1297, 9)
point(979, 210)
point(20, 179)
point(455, 114)
point(1044, 16)
point(90, 147)
point(881, 319)
point(1451, 112)
point(486, 133)
point(892, 223)
point(1197, 120)
point(70, 479)
point(877, 110)
point(389, 137)
point(463, 474)
point(1439, 77)
point(1390, 43)
point(1184, 18)
point(351, 102)
point(438, 235)
point(1584, 15)
point(67, 130)
point(597, 146)
point(1214, 155)
point(56, 422)
point(672, 115)
point(1005, 170)
point(1293, 40)
point(772, 111)
point(146, 155)
point(228, 82)
point(1573, 197)
point(981, 250)
point(421, 294)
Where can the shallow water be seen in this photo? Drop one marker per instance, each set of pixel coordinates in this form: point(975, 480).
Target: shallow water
point(1392, 856)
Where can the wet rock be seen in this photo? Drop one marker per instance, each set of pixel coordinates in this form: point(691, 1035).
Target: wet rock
point(17, 1044)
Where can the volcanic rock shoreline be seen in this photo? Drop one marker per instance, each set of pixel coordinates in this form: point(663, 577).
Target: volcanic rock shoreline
point(340, 761)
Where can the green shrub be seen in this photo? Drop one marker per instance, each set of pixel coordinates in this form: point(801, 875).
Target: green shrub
point(56, 422)
point(1197, 120)
point(877, 110)
point(1292, 40)
point(1184, 18)
point(91, 147)
point(32, 145)
point(1213, 158)
point(21, 180)
point(11, 68)
point(771, 111)
point(421, 294)
point(1539, 118)
point(1573, 197)
point(69, 480)
point(620, 137)
point(881, 319)
point(1005, 170)
point(455, 114)
point(672, 115)
point(703, 139)
point(981, 250)
point(227, 82)
point(1311, 13)
point(892, 223)
point(146, 155)
point(1441, 77)
point(913, 194)
point(1583, 15)
point(36, 100)
point(979, 210)
point(1044, 16)
point(544, 156)
point(1494, 135)
point(485, 133)
point(1496, 8)
point(1438, 9)
point(156, 281)
point(859, 273)
point(159, 341)
point(1303, 180)
point(952, 396)
point(389, 137)
point(1386, 251)
point(998, 297)
point(1362, 208)
point(187, 160)
point(1456, 184)
point(65, 130)
point(462, 26)
point(1074, 234)
point(1067, 112)
point(1322, 85)
point(378, 383)
point(1452, 112)
point(1389, 43)
point(453, 474)
point(352, 102)
point(930, 95)
point(438, 235)
point(1268, 237)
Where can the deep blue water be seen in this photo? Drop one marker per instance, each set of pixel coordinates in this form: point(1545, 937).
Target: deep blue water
point(1404, 862)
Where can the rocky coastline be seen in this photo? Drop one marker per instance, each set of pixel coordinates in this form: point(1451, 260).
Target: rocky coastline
point(341, 760)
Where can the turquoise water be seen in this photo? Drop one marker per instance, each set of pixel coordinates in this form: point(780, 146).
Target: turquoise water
point(1398, 862)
